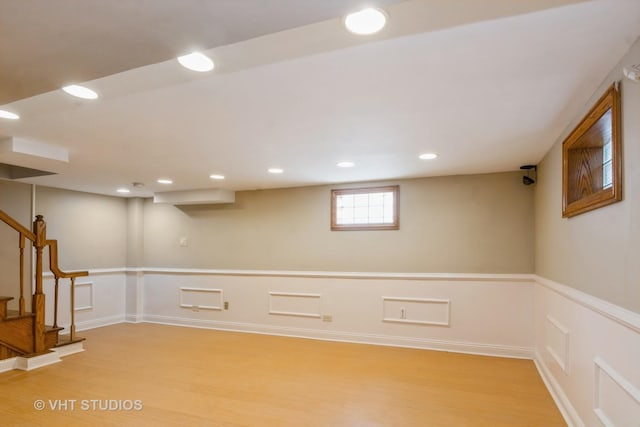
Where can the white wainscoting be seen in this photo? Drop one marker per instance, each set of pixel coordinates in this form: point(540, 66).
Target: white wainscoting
point(295, 304)
point(99, 299)
point(201, 298)
point(558, 343)
point(588, 353)
point(616, 401)
point(419, 311)
point(587, 350)
point(84, 296)
point(493, 313)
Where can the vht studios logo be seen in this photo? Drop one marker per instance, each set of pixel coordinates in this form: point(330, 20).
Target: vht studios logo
point(88, 405)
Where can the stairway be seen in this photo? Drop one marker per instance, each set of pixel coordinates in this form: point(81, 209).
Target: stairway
point(24, 336)
point(17, 333)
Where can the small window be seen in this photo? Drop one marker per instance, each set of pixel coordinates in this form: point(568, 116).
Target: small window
point(365, 208)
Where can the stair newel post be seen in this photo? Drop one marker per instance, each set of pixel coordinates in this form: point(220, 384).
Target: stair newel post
point(72, 329)
point(38, 306)
point(21, 300)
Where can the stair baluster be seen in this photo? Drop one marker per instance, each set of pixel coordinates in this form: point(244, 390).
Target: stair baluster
point(72, 328)
point(55, 305)
point(21, 300)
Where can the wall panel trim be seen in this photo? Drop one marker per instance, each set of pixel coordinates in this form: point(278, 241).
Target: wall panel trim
point(616, 313)
point(443, 322)
point(89, 306)
point(562, 361)
point(303, 296)
point(619, 380)
point(183, 304)
point(465, 277)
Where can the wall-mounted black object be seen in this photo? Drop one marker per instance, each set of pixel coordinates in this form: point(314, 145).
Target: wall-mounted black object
point(530, 177)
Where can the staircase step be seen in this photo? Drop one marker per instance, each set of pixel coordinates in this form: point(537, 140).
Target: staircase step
point(3, 306)
point(15, 314)
point(51, 336)
point(64, 340)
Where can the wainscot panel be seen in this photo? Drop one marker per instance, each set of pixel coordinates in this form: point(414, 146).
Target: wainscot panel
point(587, 351)
point(481, 314)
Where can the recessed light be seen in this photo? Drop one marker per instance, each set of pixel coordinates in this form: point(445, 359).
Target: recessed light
point(123, 190)
point(165, 181)
point(428, 156)
point(275, 170)
point(218, 177)
point(80, 92)
point(365, 22)
point(345, 164)
point(9, 115)
point(196, 61)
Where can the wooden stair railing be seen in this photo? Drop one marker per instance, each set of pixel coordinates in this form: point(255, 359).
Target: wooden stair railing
point(59, 274)
point(24, 233)
point(39, 241)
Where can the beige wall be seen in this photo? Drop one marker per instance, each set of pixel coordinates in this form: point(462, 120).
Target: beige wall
point(91, 229)
point(597, 252)
point(479, 223)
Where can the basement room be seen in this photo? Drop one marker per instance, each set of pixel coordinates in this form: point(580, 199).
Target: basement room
point(320, 213)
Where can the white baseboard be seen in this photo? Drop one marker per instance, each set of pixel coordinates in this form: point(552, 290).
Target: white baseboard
point(97, 323)
point(359, 338)
point(567, 410)
point(8, 364)
point(133, 318)
point(66, 350)
point(30, 363)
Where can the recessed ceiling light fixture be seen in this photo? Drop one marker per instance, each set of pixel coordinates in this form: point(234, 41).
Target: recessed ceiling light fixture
point(123, 190)
point(9, 115)
point(165, 181)
point(218, 177)
point(80, 91)
point(365, 22)
point(428, 156)
point(196, 61)
point(345, 164)
point(275, 170)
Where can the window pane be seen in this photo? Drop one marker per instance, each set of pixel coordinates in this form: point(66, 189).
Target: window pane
point(376, 214)
point(376, 199)
point(606, 152)
point(361, 215)
point(345, 200)
point(361, 200)
point(358, 208)
point(607, 175)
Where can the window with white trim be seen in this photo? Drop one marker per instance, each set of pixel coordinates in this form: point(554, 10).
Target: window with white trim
point(374, 208)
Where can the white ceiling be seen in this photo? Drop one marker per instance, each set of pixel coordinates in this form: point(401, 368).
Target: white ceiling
point(488, 87)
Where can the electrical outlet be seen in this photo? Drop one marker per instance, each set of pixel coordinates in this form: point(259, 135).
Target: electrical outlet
point(327, 318)
point(226, 305)
point(184, 242)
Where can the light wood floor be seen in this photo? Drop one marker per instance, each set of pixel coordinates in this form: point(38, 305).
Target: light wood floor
point(197, 377)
